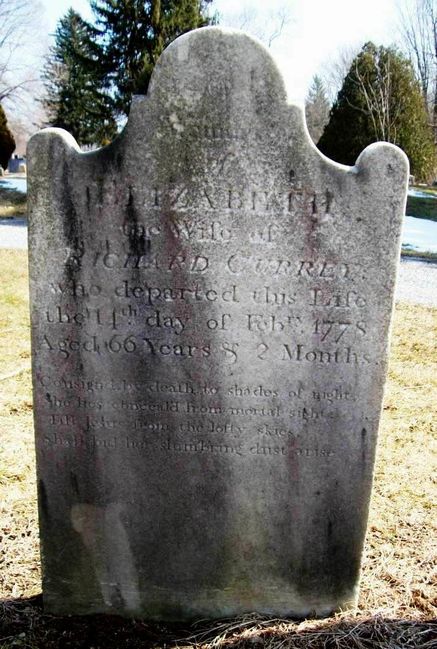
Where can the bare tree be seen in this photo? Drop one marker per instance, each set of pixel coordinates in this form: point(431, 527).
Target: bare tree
point(25, 122)
point(378, 96)
point(19, 32)
point(334, 71)
point(280, 19)
point(418, 29)
point(266, 25)
point(380, 99)
point(316, 109)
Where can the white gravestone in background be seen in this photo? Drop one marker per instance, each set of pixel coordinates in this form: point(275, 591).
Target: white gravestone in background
point(211, 300)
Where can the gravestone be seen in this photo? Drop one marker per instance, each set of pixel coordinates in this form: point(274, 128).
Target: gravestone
point(211, 301)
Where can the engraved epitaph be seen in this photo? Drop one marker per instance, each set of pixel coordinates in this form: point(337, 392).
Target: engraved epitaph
point(211, 300)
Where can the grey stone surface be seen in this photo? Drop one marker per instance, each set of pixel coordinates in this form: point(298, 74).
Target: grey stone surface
point(211, 301)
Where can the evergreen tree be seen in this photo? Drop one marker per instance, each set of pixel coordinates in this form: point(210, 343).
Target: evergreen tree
point(133, 34)
point(380, 100)
point(7, 142)
point(77, 96)
point(316, 109)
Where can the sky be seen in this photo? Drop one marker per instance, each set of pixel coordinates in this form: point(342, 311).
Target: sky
point(314, 33)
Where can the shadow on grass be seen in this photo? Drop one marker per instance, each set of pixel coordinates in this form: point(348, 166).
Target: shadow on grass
point(23, 624)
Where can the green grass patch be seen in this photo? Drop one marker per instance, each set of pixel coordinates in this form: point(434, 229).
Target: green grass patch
point(421, 207)
point(428, 255)
point(12, 202)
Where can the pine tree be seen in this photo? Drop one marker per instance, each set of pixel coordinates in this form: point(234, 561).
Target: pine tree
point(7, 142)
point(316, 109)
point(133, 34)
point(380, 100)
point(77, 96)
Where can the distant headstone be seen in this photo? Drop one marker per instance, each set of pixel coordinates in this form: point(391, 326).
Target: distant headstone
point(211, 300)
point(16, 164)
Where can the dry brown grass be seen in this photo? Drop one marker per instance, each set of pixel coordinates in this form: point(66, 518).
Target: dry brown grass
point(18, 521)
point(398, 589)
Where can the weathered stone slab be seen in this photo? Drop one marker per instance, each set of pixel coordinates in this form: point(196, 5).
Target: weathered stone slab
point(211, 301)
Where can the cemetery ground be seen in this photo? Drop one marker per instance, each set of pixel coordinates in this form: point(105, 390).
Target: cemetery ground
point(398, 603)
